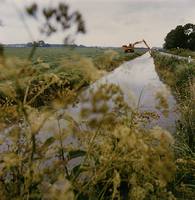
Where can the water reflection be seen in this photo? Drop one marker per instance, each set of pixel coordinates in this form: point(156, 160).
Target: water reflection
point(140, 76)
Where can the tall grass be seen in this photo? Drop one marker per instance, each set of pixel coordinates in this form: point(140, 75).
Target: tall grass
point(66, 64)
point(115, 156)
point(181, 78)
point(53, 56)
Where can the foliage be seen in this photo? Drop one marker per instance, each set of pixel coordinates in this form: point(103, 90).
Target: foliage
point(62, 63)
point(178, 73)
point(181, 37)
point(115, 155)
point(183, 84)
point(57, 19)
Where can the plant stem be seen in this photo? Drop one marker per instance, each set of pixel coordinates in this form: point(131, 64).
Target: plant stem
point(86, 155)
point(60, 132)
point(32, 51)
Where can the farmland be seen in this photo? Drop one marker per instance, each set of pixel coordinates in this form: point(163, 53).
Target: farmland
point(53, 56)
point(66, 64)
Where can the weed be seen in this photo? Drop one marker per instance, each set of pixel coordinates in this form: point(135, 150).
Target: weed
point(183, 84)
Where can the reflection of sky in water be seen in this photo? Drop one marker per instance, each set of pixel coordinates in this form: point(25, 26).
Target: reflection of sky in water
point(138, 74)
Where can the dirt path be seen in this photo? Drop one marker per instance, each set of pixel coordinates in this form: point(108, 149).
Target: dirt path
point(180, 57)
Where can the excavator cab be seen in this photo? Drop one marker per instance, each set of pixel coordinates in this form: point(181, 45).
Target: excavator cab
point(129, 48)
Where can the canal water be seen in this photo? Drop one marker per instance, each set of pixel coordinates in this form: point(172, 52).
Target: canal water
point(139, 76)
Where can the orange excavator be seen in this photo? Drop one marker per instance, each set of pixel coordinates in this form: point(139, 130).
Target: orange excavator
point(130, 48)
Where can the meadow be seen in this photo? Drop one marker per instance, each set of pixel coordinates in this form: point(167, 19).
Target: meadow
point(53, 56)
point(65, 63)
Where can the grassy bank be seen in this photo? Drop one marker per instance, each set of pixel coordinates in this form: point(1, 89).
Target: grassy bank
point(179, 74)
point(64, 64)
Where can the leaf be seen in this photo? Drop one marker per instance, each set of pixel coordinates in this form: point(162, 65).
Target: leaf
point(62, 150)
point(27, 159)
point(177, 148)
point(47, 143)
point(76, 168)
point(75, 154)
point(128, 114)
point(190, 185)
point(70, 119)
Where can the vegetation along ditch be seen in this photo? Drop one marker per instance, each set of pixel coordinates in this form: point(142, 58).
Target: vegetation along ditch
point(122, 156)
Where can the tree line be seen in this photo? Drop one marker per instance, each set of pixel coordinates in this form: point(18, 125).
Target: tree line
point(181, 37)
point(41, 43)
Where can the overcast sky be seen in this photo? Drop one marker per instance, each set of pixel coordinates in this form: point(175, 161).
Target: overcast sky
point(108, 22)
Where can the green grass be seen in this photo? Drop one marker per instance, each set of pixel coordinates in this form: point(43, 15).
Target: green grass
point(175, 72)
point(180, 75)
point(66, 63)
point(53, 56)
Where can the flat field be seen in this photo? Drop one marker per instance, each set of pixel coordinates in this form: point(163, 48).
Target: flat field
point(49, 53)
point(52, 56)
point(66, 64)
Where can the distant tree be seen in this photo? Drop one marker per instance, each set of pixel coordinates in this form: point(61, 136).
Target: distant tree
point(29, 44)
point(190, 31)
point(41, 43)
point(182, 37)
point(82, 46)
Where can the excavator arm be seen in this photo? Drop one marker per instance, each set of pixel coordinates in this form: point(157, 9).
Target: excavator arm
point(148, 48)
point(130, 48)
point(139, 42)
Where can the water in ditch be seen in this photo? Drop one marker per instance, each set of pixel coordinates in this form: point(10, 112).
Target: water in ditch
point(140, 77)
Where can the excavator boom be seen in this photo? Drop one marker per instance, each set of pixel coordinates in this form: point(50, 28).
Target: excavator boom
point(148, 47)
point(130, 48)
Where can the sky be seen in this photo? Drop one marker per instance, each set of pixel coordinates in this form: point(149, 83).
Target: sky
point(108, 22)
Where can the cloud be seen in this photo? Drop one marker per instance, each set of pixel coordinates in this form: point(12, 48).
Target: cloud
point(132, 21)
point(108, 22)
